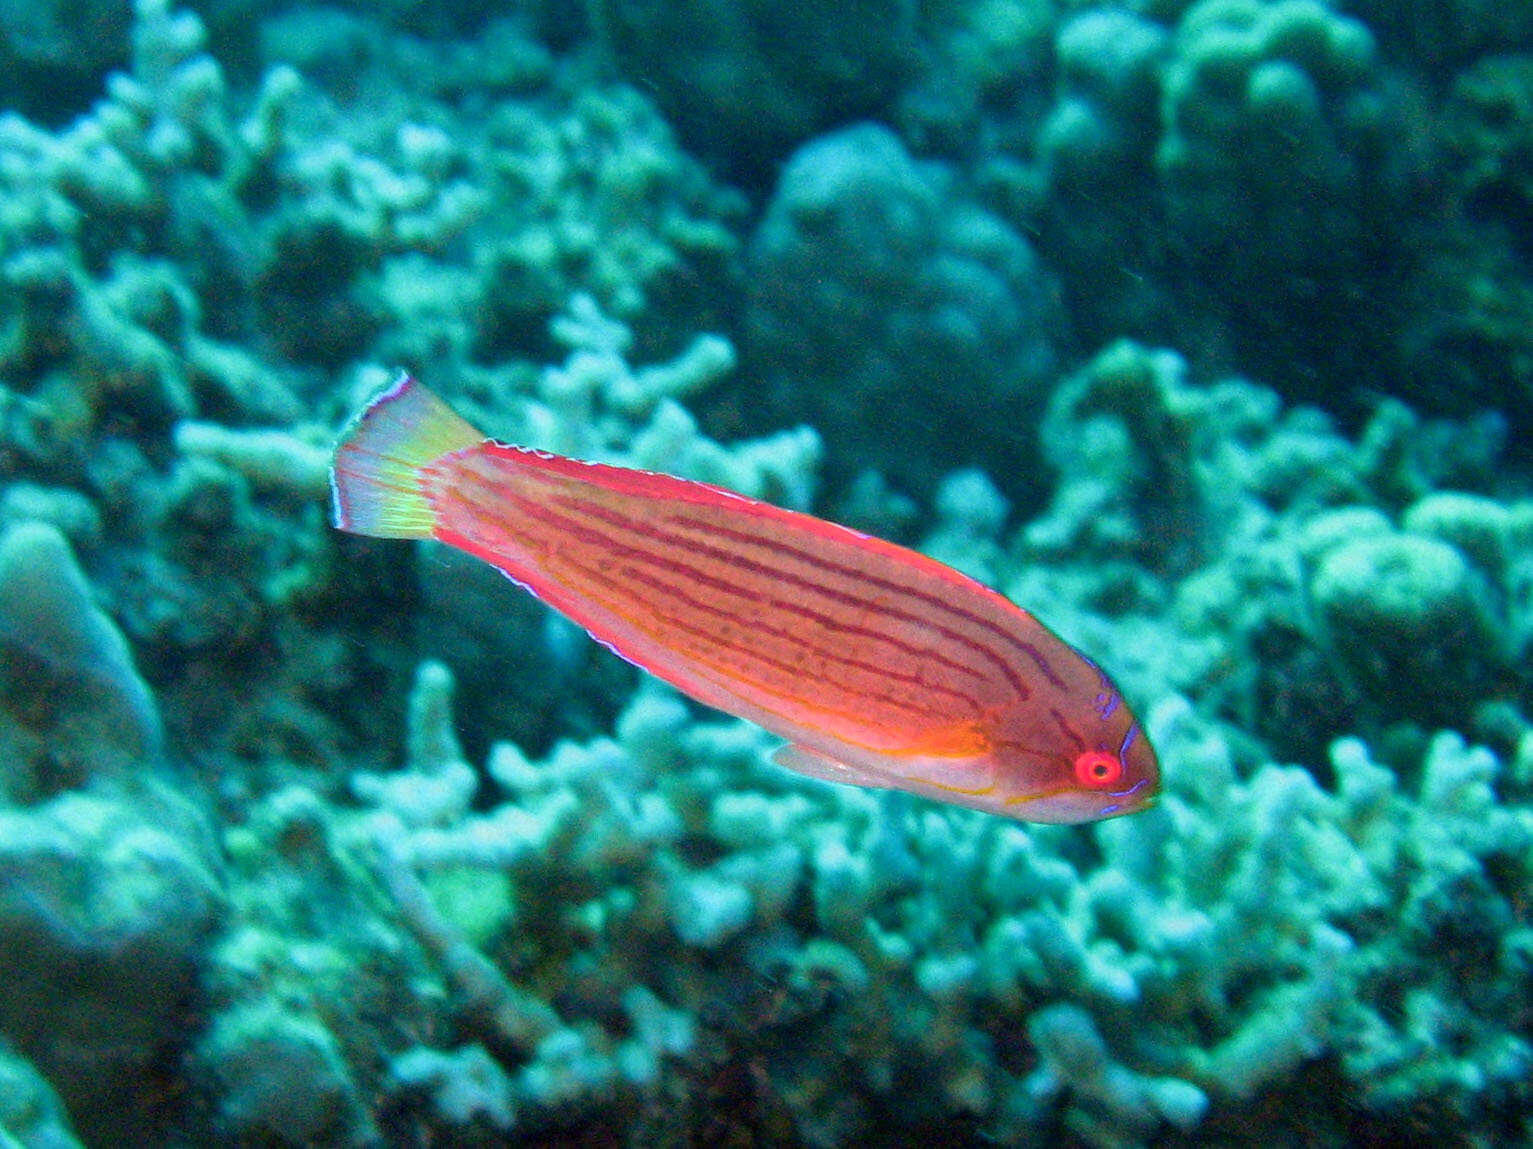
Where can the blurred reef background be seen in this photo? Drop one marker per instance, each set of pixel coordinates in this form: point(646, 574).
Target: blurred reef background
point(1202, 330)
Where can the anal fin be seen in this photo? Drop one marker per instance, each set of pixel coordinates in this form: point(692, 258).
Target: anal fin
point(815, 764)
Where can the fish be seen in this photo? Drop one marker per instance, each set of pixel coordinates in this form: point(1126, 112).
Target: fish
point(879, 666)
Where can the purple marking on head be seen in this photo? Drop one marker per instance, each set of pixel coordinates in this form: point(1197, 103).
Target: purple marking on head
point(1128, 740)
point(1132, 790)
point(1124, 796)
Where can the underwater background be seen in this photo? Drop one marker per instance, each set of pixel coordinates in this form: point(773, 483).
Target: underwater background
point(1204, 331)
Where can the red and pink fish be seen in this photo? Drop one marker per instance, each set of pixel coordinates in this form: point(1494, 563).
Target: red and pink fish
point(880, 666)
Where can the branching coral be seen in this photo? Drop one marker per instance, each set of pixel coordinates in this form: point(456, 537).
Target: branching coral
point(1196, 958)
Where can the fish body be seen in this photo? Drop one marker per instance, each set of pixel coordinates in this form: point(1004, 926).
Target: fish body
point(879, 665)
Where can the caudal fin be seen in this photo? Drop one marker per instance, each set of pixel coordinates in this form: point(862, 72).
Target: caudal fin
point(375, 477)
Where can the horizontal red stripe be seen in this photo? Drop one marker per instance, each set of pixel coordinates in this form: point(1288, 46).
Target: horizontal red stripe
point(732, 558)
point(625, 589)
point(737, 589)
point(926, 598)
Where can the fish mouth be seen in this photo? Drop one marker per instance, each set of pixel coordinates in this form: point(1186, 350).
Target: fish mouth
point(1127, 805)
point(1125, 801)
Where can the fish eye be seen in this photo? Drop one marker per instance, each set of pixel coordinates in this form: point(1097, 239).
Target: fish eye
point(1098, 769)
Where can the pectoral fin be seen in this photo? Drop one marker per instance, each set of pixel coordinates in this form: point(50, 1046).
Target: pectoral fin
point(814, 764)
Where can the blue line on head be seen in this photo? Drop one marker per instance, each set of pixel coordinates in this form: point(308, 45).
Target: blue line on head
point(1132, 790)
point(1133, 732)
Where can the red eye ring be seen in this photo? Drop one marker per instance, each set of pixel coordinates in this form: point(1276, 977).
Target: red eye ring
point(1098, 769)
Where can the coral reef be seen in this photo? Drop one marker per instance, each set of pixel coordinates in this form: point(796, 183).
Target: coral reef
point(1446, 35)
point(1203, 954)
point(30, 1111)
point(1307, 609)
point(761, 78)
point(872, 284)
point(58, 644)
point(1228, 184)
point(1470, 345)
point(108, 884)
point(308, 839)
point(1095, 151)
point(55, 55)
point(1273, 164)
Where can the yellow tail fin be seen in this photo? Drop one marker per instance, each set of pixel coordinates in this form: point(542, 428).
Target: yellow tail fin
point(376, 476)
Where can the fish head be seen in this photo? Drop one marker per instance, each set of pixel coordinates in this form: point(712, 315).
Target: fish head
point(1077, 768)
